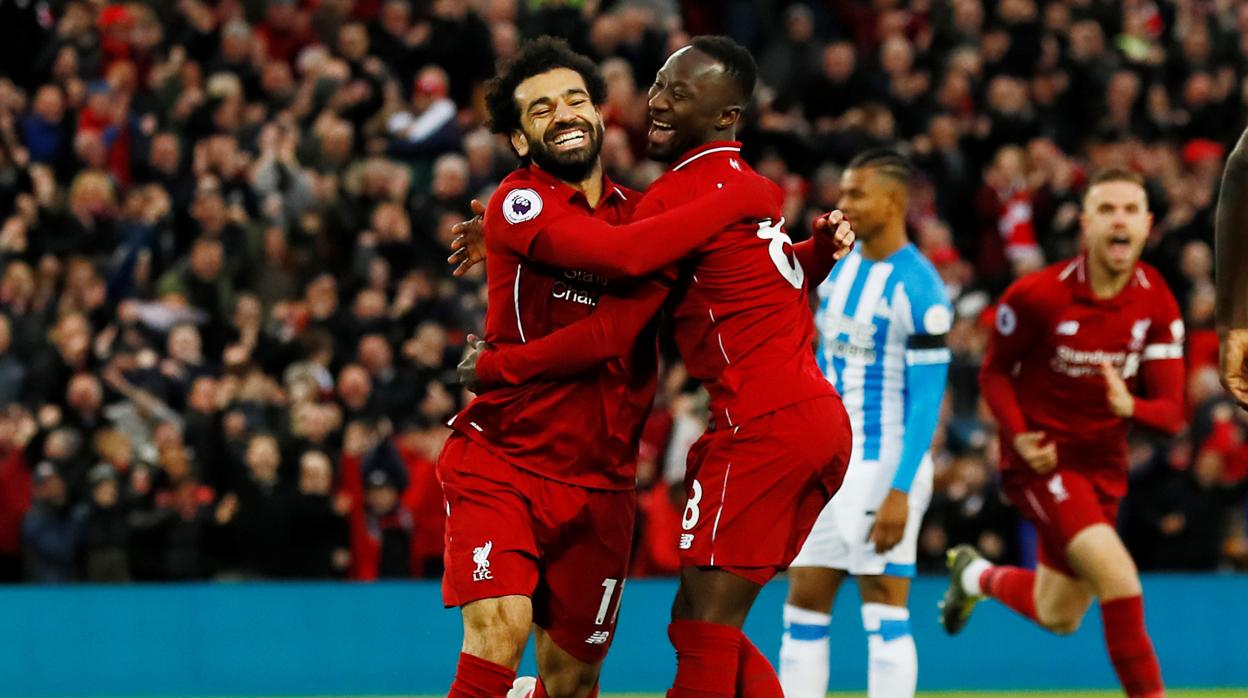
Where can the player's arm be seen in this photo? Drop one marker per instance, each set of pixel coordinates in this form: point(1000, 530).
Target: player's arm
point(832, 237)
point(607, 333)
point(927, 367)
point(1231, 238)
point(1017, 325)
point(1162, 407)
point(645, 246)
point(1161, 373)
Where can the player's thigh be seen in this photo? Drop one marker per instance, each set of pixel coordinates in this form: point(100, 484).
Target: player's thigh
point(1060, 504)
point(884, 589)
point(1099, 556)
point(496, 629)
point(490, 548)
point(563, 675)
point(1061, 600)
point(755, 491)
point(814, 588)
point(587, 540)
point(900, 560)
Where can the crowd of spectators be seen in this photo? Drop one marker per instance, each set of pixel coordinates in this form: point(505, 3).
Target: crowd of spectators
point(228, 332)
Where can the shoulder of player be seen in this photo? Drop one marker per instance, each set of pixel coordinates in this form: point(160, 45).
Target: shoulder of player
point(518, 199)
point(1156, 291)
point(1037, 295)
point(925, 293)
point(1046, 281)
point(1153, 280)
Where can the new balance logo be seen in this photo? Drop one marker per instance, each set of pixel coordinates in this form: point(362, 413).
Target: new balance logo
point(1058, 489)
point(1068, 328)
point(599, 638)
point(686, 541)
point(481, 557)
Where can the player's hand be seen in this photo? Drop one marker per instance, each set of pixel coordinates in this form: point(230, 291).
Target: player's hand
point(890, 521)
point(1041, 457)
point(467, 368)
point(1233, 351)
point(1121, 401)
point(468, 247)
point(835, 229)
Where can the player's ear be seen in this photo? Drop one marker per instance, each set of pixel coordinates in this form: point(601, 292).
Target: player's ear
point(728, 118)
point(520, 143)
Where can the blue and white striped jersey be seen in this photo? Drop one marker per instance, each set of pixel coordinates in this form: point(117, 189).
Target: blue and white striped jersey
point(882, 328)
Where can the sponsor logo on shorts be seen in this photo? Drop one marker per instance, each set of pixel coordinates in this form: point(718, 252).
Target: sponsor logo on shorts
point(1058, 489)
point(481, 557)
point(686, 541)
point(599, 638)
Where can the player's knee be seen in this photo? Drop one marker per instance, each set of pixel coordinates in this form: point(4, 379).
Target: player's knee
point(1117, 581)
point(1062, 626)
point(812, 597)
point(1060, 619)
point(496, 630)
point(572, 680)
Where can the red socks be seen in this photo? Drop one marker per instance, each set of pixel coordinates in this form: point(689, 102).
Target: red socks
point(1130, 649)
point(718, 661)
point(707, 657)
point(755, 676)
point(478, 678)
point(1013, 586)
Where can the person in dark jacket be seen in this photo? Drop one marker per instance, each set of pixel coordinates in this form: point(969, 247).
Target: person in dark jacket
point(52, 529)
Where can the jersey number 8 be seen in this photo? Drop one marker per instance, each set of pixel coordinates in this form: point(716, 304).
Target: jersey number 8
point(788, 268)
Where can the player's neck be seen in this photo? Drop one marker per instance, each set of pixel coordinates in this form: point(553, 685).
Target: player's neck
point(885, 244)
point(591, 186)
point(1106, 283)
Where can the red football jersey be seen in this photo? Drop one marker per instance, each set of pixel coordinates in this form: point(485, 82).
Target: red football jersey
point(583, 432)
point(743, 320)
point(1043, 367)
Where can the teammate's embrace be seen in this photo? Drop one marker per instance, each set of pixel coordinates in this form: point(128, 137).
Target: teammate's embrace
point(539, 477)
point(1072, 345)
point(882, 319)
point(779, 439)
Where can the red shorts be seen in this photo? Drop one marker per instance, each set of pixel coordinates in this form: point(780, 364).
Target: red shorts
point(753, 491)
point(511, 532)
point(1060, 504)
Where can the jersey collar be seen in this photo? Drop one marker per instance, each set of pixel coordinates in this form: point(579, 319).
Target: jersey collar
point(610, 190)
point(713, 149)
point(1075, 273)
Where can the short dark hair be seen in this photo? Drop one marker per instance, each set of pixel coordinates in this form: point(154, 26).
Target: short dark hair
point(738, 64)
point(1115, 174)
point(538, 56)
point(887, 162)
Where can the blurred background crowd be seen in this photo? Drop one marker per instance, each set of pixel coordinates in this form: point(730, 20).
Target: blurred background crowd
point(228, 332)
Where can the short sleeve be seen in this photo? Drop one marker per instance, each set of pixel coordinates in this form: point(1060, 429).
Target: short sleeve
point(930, 310)
point(931, 316)
point(1019, 318)
point(515, 216)
point(1166, 332)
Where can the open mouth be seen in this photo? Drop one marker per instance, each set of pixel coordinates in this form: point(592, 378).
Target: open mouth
point(570, 139)
point(660, 131)
point(1120, 246)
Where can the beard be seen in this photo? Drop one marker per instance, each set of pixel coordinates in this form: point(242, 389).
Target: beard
point(572, 166)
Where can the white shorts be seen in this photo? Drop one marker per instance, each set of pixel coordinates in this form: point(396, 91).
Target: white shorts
point(839, 538)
